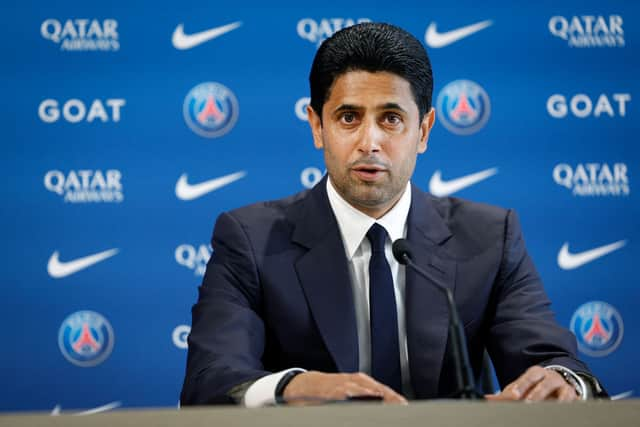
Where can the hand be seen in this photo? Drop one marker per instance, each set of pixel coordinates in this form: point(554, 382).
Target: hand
point(338, 387)
point(537, 384)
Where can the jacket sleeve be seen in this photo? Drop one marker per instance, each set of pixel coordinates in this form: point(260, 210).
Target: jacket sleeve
point(524, 331)
point(227, 336)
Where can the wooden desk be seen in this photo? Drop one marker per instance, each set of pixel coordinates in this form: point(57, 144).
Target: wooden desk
point(422, 414)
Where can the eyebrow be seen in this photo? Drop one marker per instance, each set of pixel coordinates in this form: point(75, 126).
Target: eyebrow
point(347, 107)
point(387, 106)
point(392, 106)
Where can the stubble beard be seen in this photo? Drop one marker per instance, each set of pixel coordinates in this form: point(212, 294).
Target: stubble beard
point(368, 195)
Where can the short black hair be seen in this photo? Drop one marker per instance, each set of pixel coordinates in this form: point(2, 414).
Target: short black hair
point(372, 47)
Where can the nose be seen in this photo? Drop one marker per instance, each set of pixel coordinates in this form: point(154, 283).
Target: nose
point(371, 138)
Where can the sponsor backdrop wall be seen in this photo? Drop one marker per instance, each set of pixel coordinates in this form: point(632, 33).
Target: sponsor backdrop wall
point(127, 127)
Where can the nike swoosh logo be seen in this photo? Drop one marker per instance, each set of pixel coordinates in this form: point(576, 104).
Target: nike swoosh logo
point(436, 40)
point(58, 269)
point(569, 261)
point(186, 191)
point(620, 396)
point(440, 188)
point(184, 41)
point(109, 406)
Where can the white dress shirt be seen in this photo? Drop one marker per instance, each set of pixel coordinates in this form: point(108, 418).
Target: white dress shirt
point(353, 226)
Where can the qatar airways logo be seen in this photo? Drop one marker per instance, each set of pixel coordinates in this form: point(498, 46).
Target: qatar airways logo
point(588, 31)
point(86, 185)
point(82, 34)
point(318, 31)
point(593, 179)
point(194, 258)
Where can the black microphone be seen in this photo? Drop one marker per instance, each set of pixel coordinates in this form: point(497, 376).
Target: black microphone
point(464, 374)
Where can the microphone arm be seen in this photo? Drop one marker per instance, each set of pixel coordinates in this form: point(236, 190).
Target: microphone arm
point(464, 375)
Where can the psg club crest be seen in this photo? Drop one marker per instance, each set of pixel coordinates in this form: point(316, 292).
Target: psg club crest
point(86, 338)
point(210, 109)
point(463, 107)
point(598, 328)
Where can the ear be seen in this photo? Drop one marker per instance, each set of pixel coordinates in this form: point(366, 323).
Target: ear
point(425, 128)
point(316, 127)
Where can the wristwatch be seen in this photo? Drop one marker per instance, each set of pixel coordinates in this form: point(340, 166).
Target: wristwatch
point(283, 383)
point(573, 380)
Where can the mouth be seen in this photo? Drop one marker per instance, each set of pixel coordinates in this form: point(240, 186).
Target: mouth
point(369, 173)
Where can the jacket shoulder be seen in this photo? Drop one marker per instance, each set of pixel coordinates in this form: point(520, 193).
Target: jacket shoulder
point(267, 225)
point(454, 209)
point(264, 212)
point(475, 226)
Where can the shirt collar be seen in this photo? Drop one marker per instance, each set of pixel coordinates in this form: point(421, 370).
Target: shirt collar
point(354, 224)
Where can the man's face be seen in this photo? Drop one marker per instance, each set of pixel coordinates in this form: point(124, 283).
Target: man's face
point(371, 134)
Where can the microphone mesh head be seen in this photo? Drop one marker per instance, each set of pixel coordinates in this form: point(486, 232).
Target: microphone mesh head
point(401, 251)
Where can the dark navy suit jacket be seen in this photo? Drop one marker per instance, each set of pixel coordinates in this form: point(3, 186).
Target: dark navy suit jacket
point(277, 294)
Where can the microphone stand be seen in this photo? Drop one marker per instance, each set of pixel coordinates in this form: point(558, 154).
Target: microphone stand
point(464, 375)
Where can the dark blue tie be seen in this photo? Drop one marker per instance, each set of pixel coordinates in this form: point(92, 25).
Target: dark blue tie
point(385, 350)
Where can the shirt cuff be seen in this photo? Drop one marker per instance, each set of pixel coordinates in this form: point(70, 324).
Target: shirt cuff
point(263, 391)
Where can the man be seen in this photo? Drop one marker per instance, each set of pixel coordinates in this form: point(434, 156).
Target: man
point(303, 299)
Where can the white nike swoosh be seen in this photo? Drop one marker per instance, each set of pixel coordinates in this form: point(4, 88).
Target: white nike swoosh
point(186, 191)
point(58, 269)
point(184, 41)
point(437, 40)
point(569, 261)
point(620, 396)
point(103, 408)
point(439, 188)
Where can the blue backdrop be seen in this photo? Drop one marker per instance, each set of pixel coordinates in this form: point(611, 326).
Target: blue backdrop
point(106, 141)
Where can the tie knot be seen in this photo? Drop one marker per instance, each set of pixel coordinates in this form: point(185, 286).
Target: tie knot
point(377, 236)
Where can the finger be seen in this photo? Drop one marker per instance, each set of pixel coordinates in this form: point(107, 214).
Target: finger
point(567, 394)
point(522, 386)
point(352, 389)
point(388, 394)
point(391, 396)
point(548, 388)
point(510, 392)
point(499, 397)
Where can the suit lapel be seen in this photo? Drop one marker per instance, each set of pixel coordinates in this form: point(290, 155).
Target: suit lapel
point(324, 275)
point(426, 306)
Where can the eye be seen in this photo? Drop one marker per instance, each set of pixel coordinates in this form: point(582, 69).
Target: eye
point(348, 117)
point(392, 118)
